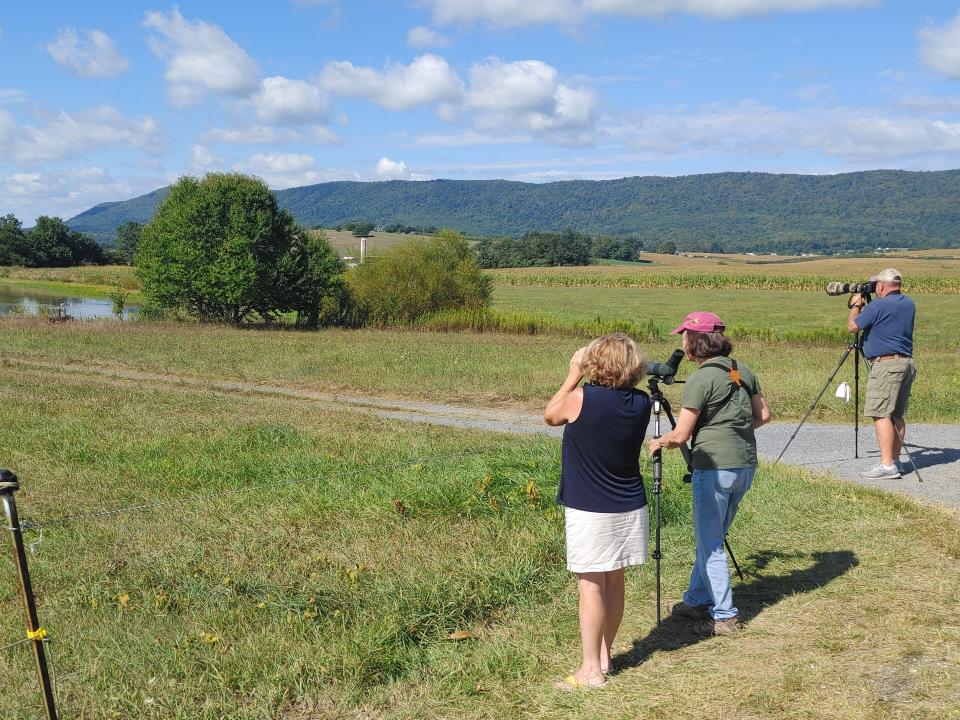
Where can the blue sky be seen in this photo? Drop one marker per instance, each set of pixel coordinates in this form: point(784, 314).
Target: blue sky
point(109, 100)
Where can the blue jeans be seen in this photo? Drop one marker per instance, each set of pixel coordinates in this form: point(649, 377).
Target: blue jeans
point(716, 496)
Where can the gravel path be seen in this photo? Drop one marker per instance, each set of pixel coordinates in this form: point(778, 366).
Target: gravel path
point(827, 448)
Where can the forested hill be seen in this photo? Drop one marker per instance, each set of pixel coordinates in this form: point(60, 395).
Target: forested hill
point(736, 211)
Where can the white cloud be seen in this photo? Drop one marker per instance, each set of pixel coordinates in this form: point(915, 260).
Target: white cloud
point(924, 103)
point(471, 137)
point(8, 126)
point(751, 129)
point(9, 96)
point(940, 47)
point(66, 193)
point(388, 169)
point(505, 13)
point(527, 95)
point(428, 79)
point(716, 8)
point(280, 163)
point(95, 57)
point(200, 58)
point(281, 101)
point(521, 85)
point(280, 170)
point(203, 160)
point(571, 13)
point(424, 37)
point(262, 134)
point(71, 135)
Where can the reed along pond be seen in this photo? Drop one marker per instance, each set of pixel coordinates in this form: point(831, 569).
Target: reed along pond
point(18, 302)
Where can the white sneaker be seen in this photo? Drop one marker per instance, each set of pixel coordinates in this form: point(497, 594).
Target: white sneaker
point(882, 472)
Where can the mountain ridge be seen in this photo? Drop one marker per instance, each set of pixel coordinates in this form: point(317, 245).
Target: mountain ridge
point(735, 210)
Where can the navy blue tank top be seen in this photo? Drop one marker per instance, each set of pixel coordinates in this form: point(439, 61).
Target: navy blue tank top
point(601, 451)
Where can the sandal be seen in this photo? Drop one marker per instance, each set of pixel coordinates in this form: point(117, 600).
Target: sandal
point(570, 683)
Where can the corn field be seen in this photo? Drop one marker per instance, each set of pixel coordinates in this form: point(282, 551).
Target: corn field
point(712, 281)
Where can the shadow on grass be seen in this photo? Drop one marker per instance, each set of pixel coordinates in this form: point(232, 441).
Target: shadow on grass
point(752, 597)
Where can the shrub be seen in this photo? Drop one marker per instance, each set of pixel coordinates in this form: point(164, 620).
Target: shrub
point(418, 277)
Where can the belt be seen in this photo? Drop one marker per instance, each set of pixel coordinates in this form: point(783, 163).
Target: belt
point(895, 356)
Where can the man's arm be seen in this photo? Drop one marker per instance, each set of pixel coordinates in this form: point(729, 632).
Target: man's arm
point(856, 305)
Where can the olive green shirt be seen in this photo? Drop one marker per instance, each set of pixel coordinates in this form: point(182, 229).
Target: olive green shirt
point(723, 436)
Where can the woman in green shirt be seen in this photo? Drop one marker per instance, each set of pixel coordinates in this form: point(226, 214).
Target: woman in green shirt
point(721, 406)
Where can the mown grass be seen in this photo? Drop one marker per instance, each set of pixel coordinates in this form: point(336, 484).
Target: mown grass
point(327, 585)
point(470, 368)
point(344, 241)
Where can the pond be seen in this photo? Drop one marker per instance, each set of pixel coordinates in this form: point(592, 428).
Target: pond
point(17, 301)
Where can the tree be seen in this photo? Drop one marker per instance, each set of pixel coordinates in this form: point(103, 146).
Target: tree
point(364, 229)
point(667, 248)
point(53, 244)
point(13, 242)
point(418, 277)
point(220, 249)
point(128, 239)
point(311, 281)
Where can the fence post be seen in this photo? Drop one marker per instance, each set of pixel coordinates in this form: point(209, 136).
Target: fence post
point(35, 632)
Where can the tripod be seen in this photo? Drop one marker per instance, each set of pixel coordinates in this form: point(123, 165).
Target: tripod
point(661, 404)
point(855, 347)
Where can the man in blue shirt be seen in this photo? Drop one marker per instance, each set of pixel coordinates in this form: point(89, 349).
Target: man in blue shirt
point(887, 324)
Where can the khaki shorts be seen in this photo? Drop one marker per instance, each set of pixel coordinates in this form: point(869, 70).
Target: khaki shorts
point(888, 388)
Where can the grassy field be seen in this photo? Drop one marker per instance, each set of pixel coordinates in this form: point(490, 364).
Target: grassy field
point(328, 559)
point(469, 368)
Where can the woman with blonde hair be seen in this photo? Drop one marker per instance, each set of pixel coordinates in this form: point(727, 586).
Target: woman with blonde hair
point(601, 489)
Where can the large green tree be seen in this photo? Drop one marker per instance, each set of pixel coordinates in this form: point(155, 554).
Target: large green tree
point(418, 277)
point(220, 248)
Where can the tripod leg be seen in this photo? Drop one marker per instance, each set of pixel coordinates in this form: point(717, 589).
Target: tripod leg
point(843, 359)
point(856, 395)
point(903, 444)
point(733, 559)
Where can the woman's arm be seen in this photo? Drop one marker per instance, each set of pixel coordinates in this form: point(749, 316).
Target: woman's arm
point(680, 434)
point(761, 411)
point(566, 403)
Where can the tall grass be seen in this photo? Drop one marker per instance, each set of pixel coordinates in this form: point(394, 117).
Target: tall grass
point(521, 323)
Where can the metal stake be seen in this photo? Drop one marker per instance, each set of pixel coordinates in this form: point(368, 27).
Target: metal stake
point(35, 632)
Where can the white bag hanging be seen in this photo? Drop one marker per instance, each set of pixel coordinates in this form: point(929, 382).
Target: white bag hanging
point(843, 392)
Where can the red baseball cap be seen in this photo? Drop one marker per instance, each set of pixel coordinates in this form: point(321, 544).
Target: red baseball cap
point(700, 321)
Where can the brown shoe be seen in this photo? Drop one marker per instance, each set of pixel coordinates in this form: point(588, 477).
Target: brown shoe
point(682, 611)
point(711, 627)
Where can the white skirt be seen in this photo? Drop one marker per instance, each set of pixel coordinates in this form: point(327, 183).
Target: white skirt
point(598, 542)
